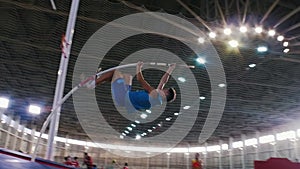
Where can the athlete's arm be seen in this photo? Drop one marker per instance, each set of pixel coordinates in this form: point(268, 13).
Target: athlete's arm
point(141, 79)
point(166, 76)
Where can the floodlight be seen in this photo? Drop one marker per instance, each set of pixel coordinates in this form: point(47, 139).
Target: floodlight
point(34, 109)
point(262, 49)
point(233, 43)
point(243, 29)
point(227, 31)
point(212, 35)
point(271, 32)
point(4, 102)
point(258, 29)
point(280, 38)
point(201, 60)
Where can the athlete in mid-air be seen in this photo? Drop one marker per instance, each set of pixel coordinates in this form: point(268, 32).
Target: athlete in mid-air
point(138, 100)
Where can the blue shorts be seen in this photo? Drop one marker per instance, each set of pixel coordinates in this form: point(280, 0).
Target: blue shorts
point(119, 90)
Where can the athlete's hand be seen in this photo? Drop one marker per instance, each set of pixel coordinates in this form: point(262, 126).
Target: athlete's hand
point(139, 66)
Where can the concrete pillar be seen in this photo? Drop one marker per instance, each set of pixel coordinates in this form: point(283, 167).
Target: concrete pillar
point(8, 136)
point(230, 153)
point(220, 154)
point(257, 151)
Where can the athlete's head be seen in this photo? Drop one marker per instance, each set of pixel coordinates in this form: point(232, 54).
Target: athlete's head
point(170, 94)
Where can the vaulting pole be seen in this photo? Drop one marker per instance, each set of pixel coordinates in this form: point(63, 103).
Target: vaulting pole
point(60, 83)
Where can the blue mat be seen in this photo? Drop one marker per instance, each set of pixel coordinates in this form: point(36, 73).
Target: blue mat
point(16, 160)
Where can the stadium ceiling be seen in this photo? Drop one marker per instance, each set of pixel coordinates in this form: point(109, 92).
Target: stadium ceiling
point(259, 97)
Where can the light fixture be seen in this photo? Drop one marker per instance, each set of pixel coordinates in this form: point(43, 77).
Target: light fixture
point(4, 102)
point(186, 107)
point(123, 134)
point(280, 38)
point(154, 127)
point(138, 137)
point(243, 29)
point(233, 43)
point(144, 134)
point(33, 109)
point(129, 128)
point(148, 111)
point(201, 60)
point(121, 137)
point(286, 50)
point(143, 116)
point(271, 32)
point(137, 122)
point(201, 40)
point(149, 130)
point(181, 79)
point(176, 114)
point(252, 65)
point(285, 44)
point(168, 118)
point(262, 49)
point(212, 35)
point(258, 29)
point(227, 31)
point(127, 132)
point(201, 97)
point(133, 125)
point(221, 85)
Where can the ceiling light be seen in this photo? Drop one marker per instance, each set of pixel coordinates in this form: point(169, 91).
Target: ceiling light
point(233, 43)
point(154, 127)
point(252, 65)
point(181, 79)
point(227, 31)
point(127, 132)
point(243, 29)
point(280, 38)
point(148, 111)
point(201, 40)
point(176, 114)
point(168, 118)
point(262, 49)
point(121, 136)
point(258, 29)
point(201, 60)
point(221, 85)
point(143, 116)
point(149, 130)
point(133, 125)
point(129, 128)
point(137, 122)
point(201, 97)
point(33, 109)
point(271, 32)
point(285, 44)
point(286, 50)
point(186, 107)
point(212, 35)
point(4, 103)
point(144, 134)
point(138, 137)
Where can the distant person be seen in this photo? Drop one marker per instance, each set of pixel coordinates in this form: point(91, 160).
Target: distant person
point(87, 160)
point(75, 162)
point(197, 163)
point(125, 166)
point(68, 161)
